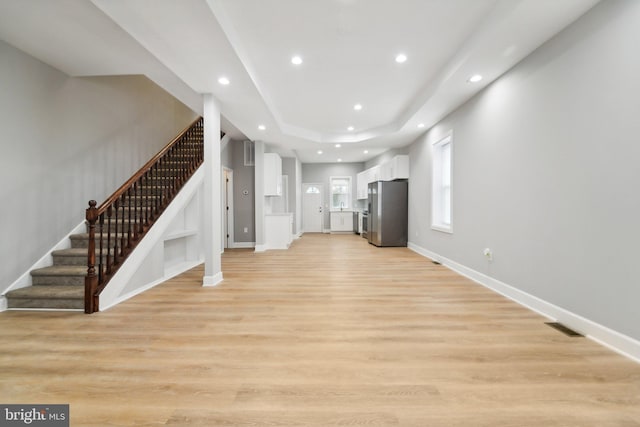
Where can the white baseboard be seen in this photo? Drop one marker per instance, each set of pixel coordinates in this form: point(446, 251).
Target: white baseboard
point(616, 341)
point(260, 248)
point(244, 245)
point(212, 280)
point(3, 303)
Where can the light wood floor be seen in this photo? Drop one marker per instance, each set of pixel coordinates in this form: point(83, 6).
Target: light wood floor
point(331, 332)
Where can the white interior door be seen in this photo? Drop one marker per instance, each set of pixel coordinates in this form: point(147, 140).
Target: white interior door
point(227, 208)
point(312, 208)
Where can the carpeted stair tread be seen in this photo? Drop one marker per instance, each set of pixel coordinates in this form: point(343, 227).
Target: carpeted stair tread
point(70, 252)
point(61, 270)
point(52, 292)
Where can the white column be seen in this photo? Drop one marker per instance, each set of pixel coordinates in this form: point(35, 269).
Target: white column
point(212, 209)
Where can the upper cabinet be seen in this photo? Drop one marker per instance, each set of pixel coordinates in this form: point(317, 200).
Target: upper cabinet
point(361, 185)
point(272, 174)
point(396, 168)
point(364, 178)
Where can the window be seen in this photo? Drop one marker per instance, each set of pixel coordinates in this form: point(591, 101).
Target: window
point(313, 190)
point(340, 192)
point(441, 191)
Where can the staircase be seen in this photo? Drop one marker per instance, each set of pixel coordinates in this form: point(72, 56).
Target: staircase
point(80, 273)
point(60, 286)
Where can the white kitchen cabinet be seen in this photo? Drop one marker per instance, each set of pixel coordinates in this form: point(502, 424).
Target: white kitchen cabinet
point(361, 185)
point(278, 230)
point(397, 168)
point(364, 178)
point(272, 174)
point(342, 221)
point(374, 174)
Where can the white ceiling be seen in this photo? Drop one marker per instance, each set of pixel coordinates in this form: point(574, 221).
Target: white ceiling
point(348, 49)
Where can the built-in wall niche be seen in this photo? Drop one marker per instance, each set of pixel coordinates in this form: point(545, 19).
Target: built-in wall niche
point(182, 241)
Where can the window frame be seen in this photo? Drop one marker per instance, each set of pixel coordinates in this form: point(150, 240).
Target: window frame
point(442, 185)
point(349, 193)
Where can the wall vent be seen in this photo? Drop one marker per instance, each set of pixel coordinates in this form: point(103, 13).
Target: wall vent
point(249, 153)
point(565, 330)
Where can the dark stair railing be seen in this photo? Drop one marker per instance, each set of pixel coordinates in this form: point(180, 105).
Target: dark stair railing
point(117, 225)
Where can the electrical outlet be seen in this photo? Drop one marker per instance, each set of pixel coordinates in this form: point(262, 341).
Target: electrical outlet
point(246, 229)
point(488, 254)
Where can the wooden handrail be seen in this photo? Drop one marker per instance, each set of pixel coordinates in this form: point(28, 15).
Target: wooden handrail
point(117, 225)
point(144, 168)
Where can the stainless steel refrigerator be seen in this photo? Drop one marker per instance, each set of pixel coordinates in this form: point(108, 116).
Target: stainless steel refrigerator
point(388, 215)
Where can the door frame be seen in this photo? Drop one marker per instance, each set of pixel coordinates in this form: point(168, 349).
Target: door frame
point(227, 208)
point(321, 186)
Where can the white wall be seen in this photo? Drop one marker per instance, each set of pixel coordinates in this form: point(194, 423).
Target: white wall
point(546, 173)
point(321, 173)
point(64, 141)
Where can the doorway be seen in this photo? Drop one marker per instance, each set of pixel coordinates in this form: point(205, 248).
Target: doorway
point(312, 212)
point(227, 208)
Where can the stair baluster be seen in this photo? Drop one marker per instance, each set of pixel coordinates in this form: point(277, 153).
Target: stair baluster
point(135, 206)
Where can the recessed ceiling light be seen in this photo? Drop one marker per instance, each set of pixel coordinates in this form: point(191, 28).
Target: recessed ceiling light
point(350, 128)
point(319, 151)
point(400, 58)
point(296, 60)
point(223, 81)
point(262, 127)
point(338, 145)
point(339, 160)
point(421, 125)
point(357, 107)
point(475, 78)
point(366, 151)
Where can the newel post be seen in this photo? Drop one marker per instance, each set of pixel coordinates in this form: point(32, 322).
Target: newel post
point(91, 279)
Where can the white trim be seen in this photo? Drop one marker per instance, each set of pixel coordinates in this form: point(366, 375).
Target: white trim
point(327, 231)
point(243, 245)
point(212, 280)
point(3, 303)
point(47, 260)
point(260, 248)
point(227, 173)
point(298, 235)
point(442, 229)
point(609, 338)
point(350, 193)
point(155, 236)
point(437, 187)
